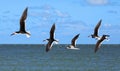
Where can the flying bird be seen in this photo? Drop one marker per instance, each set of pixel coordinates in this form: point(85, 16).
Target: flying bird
point(22, 24)
point(95, 34)
point(97, 46)
point(73, 43)
point(51, 38)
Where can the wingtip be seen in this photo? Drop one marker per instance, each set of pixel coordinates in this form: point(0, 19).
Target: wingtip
point(26, 8)
point(47, 50)
point(95, 51)
point(78, 34)
point(53, 24)
point(100, 19)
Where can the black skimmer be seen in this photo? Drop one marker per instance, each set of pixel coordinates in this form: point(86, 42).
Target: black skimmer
point(22, 24)
point(73, 43)
point(95, 34)
point(51, 38)
point(97, 46)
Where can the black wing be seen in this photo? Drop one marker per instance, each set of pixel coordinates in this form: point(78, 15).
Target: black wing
point(74, 40)
point(97, 46)
point(22, 20)
point(52, 31)
point(48, 46)
point(96, 28)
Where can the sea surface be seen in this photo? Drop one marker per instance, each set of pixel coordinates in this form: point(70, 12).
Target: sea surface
point(34, 58)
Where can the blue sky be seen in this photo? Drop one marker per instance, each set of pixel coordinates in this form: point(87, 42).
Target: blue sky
point(71, 17)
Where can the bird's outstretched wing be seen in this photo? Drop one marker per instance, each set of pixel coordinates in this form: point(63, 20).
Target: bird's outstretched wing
point(73, 42)
point(22, 19)
point(97, 46)
point(52, 31)
point(97, 27)
point(48, 46)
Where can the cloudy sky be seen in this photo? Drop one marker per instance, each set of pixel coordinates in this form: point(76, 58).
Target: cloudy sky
point(71, 17)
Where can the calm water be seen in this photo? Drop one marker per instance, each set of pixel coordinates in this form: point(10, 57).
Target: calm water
point(34, 58)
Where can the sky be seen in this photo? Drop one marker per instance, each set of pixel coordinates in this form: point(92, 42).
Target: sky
point(71, 17)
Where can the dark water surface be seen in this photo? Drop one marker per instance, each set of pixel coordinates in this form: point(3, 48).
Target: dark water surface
point(34, 58)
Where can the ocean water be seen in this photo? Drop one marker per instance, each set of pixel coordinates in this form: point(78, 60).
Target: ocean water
point(34, 58)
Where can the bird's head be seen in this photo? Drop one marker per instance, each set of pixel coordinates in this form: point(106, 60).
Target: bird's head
point(106, 36)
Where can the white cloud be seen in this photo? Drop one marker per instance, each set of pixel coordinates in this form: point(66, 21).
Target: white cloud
point(47, 13)
point(75, 25)
point(97, 2)
point(107, 25)
point(61, 14)
point(112, 11)
point(43, 7)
